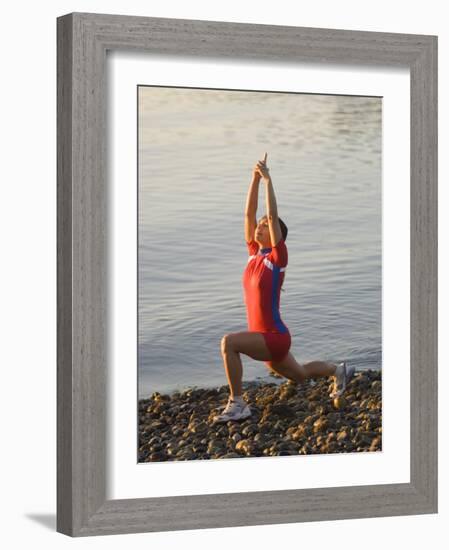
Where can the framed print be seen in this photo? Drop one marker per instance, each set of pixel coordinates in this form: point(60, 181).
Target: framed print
point(167, 428)
point(160, 298)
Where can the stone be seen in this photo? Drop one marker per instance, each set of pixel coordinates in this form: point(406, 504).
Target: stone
point(230, 455)
point(157, 457)
point(320, 425)
point(283, 410)
point(250, 430)
point(244, 446)
point(339, 402)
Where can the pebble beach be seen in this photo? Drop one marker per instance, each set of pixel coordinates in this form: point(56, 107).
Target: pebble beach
point(287, 419)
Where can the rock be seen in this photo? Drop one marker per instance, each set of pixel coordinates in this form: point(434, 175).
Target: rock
point(274, 374)
point(188, 455)
point(244, 446)
point(283, 446)
point(340, 402)
point(215, 445)
point(309, 420)
point(305, 449)
point(363, 439)
point(332, 419)
point(283, 410)
point(157, 457)
point(230, 455)
point(240, 444)
point(287, 391)
point(291, 430)
point(369, 434)
point(279, 426)
point(234, 428)
point(301, 432)
point(157, 425)
point(320, 425)
point(250, 430)
point(287, 418)
point(264, 428)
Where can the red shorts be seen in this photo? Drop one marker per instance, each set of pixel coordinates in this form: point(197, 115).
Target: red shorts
point(278, 343)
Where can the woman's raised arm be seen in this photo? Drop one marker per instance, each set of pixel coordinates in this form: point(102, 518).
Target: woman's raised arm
point(272, 209)
point(251, 206)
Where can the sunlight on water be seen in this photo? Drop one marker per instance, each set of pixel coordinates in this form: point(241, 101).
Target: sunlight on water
point(196, 152)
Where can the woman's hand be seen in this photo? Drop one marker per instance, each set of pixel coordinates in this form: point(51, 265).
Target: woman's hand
point(256, 173)
point(262, 169)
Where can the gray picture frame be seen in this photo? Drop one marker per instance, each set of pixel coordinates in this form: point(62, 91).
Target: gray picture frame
point(82, 238)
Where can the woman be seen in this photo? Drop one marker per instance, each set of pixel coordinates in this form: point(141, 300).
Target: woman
point(268, 338)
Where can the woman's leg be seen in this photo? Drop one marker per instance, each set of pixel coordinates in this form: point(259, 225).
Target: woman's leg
point(291, 369)
point(251, 344)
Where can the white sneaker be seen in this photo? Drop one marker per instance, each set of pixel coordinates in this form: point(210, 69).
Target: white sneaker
point(342, 380)
point(233, 411)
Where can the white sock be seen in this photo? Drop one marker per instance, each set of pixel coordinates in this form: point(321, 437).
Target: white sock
point(339, 371)
point(238, 399)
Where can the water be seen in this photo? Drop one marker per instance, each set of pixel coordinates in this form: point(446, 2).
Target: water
point(196, 152)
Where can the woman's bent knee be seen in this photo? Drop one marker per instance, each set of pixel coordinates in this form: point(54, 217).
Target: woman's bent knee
point(225, 343)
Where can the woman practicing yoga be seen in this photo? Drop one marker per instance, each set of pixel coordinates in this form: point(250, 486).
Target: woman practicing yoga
point(268, 338)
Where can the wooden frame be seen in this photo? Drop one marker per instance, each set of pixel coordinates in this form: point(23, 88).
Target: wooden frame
point(83, 39)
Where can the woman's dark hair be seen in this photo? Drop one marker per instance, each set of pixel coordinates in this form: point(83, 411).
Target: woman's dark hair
point(284, 229)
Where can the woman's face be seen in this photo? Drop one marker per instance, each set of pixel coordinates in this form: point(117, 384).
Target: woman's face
point(262, 233)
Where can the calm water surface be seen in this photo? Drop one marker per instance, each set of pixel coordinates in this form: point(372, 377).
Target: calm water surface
point(196, 152)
